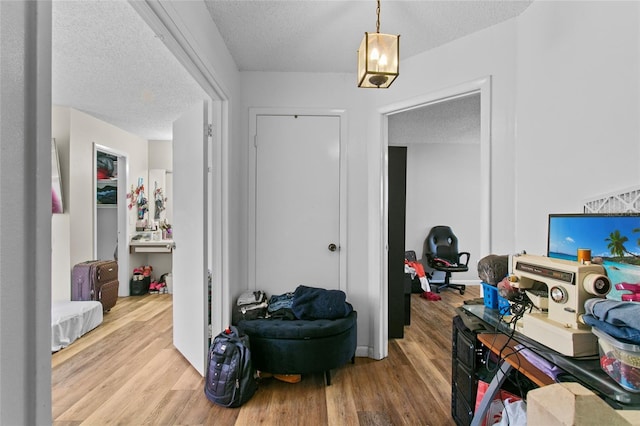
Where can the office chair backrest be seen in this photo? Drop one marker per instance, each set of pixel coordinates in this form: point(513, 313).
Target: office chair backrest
point(441, 242)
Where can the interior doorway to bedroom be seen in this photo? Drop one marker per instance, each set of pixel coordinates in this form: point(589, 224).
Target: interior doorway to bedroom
point(440, 172)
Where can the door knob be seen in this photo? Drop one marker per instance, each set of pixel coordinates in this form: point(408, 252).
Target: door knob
point(332, 247)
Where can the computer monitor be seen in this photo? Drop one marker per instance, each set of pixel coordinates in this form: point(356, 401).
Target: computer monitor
point(615, 238)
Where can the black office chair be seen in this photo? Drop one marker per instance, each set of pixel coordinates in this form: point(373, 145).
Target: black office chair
point(441, 253)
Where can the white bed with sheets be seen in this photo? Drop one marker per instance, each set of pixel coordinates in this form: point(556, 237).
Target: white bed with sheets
point(72, 319)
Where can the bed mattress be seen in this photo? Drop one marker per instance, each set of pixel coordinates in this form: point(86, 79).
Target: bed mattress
point(72, 319)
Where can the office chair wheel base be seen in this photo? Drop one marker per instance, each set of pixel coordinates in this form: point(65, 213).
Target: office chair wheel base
point(461, 292)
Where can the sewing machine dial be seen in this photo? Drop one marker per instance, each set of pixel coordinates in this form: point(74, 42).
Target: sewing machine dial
point(558, 294)
point(596, 284)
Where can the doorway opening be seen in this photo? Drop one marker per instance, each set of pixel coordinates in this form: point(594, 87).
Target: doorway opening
point(442, 161)
point(482, 87)
point(180, 41)
point(110, 227)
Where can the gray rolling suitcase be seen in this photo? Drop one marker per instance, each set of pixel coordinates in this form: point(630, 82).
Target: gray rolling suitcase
point(96, 280)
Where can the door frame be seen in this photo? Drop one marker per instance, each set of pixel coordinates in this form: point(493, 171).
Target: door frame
point(123, 223)
point(254, 113)
point(379, 243)
point(162, 18)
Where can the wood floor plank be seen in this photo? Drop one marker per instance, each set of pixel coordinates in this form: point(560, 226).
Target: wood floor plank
point(128, 372)
point(374, 418)
point(200, 411)
point(92, 390)
point(303, 400)
point(142, 393)
point(118, 348)
point(341, 406)
point(167, 410)
point(190, 380)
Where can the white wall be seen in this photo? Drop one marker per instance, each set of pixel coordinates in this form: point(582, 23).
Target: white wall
point(444, 192)
point(578, 97)
point(565, 74)
point(72, 232)
point(60, 226)
point(491, 52)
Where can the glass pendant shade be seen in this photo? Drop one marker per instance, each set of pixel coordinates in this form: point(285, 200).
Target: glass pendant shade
point(378, 60)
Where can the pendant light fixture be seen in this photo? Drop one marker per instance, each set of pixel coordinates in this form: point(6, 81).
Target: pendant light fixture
point(378, 58)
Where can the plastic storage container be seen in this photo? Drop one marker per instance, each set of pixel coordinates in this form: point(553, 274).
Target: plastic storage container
point(493, 300)
point(621, 361)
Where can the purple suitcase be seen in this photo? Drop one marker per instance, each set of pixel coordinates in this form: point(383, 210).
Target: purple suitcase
point(96, 280)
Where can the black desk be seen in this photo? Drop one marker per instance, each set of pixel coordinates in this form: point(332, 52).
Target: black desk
point(585, 371)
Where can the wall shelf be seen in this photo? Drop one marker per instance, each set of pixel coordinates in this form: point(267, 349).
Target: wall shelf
point(159, 246)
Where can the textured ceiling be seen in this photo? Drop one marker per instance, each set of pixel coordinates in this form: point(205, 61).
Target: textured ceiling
point(108, 63)
point(453, 121)
point(324, 36)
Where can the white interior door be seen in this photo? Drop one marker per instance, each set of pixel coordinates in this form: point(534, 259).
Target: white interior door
point(297, 202)
point(190, 334)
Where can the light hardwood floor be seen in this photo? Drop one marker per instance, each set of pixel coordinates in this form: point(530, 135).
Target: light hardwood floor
point(127, 372)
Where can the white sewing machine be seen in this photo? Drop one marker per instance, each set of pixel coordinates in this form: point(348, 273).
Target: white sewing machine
point(568, 285)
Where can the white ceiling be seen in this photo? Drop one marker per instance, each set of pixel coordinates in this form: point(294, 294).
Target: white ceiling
point(108, 63)
point(324, 36)
point(454, 121)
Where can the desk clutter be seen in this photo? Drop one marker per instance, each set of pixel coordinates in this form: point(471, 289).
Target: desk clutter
point(550, 295)
point(546, 320)
point(568, 310)
point(485, 350)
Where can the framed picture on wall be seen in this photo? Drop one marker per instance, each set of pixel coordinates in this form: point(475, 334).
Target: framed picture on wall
point(57, 204)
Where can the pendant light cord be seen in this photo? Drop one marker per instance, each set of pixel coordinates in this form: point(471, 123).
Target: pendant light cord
point(378, 16)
